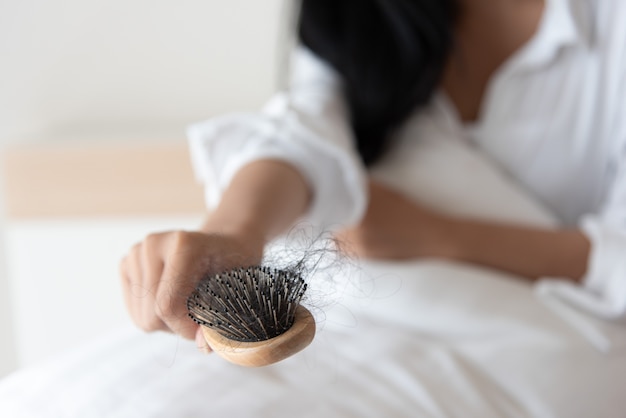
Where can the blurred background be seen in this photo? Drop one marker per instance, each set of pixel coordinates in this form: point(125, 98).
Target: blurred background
point(95, 97)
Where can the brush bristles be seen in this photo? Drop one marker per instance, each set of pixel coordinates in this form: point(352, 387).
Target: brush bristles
point(247, 304)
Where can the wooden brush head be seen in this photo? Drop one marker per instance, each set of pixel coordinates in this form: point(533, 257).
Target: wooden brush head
point(263, 353)
point(252, 316)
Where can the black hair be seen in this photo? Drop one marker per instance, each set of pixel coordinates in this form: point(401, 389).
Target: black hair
point(390, 54)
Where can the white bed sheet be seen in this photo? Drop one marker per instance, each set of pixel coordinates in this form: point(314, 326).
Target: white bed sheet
point(425, 339)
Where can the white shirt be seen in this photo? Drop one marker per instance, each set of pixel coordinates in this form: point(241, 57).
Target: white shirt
point(553, 118)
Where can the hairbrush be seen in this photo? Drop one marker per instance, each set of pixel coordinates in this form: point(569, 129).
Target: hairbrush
point(252, 316)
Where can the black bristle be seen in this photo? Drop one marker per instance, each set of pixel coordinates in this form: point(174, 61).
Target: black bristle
point(248, 305)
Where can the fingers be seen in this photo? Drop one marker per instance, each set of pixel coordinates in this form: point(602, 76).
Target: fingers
point(156, 284)
point(178, 279)
point(139, 284)
point(151, 263)
point(160, 273)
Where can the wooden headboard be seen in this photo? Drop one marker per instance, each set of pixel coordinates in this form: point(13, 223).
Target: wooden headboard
point(100, 179)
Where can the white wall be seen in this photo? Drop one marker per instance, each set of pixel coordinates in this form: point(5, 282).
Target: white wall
point(92, 70)
point(131, 67)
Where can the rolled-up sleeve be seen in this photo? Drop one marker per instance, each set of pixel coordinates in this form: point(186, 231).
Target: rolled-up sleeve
point(606, 276)
point(306, 126)
point(596, 307)
point(602, 292)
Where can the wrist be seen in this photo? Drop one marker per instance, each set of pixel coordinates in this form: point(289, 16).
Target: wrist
point(450, 245)
point(248, 233)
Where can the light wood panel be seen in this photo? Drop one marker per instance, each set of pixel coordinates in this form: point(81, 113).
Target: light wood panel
point(100, 180)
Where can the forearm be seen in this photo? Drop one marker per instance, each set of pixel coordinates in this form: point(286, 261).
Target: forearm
point(263, 200)
point(525, 251)
point(395, 227)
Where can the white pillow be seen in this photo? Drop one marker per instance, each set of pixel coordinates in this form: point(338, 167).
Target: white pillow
point(434, 164)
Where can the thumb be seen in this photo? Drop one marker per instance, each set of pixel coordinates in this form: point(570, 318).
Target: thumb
point(201, 342)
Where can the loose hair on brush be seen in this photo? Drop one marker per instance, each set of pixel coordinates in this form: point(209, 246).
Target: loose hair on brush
point(249, 304)
point(390, 54)
point(252, 316)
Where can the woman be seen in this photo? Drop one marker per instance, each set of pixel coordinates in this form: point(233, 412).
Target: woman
point(538, 85)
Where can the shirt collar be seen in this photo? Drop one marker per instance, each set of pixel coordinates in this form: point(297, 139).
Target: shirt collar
point(563, 24)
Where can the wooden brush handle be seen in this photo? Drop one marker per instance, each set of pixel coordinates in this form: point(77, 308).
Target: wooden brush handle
point(263, 353)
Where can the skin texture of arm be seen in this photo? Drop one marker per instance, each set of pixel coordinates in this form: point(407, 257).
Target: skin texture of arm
point(159, 273)
point(397, 228)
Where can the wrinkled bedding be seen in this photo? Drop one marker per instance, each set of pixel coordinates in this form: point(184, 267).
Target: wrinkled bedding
point(425, 339)
point(413, 339)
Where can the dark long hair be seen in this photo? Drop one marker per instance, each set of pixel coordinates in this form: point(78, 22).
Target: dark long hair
point(390, 54)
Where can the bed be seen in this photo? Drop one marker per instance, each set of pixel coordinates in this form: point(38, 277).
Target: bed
point(405, 339)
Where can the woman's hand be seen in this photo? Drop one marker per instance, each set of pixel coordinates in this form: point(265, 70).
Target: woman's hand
point(263, 199)
point(160, 272)
point(397, 228)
